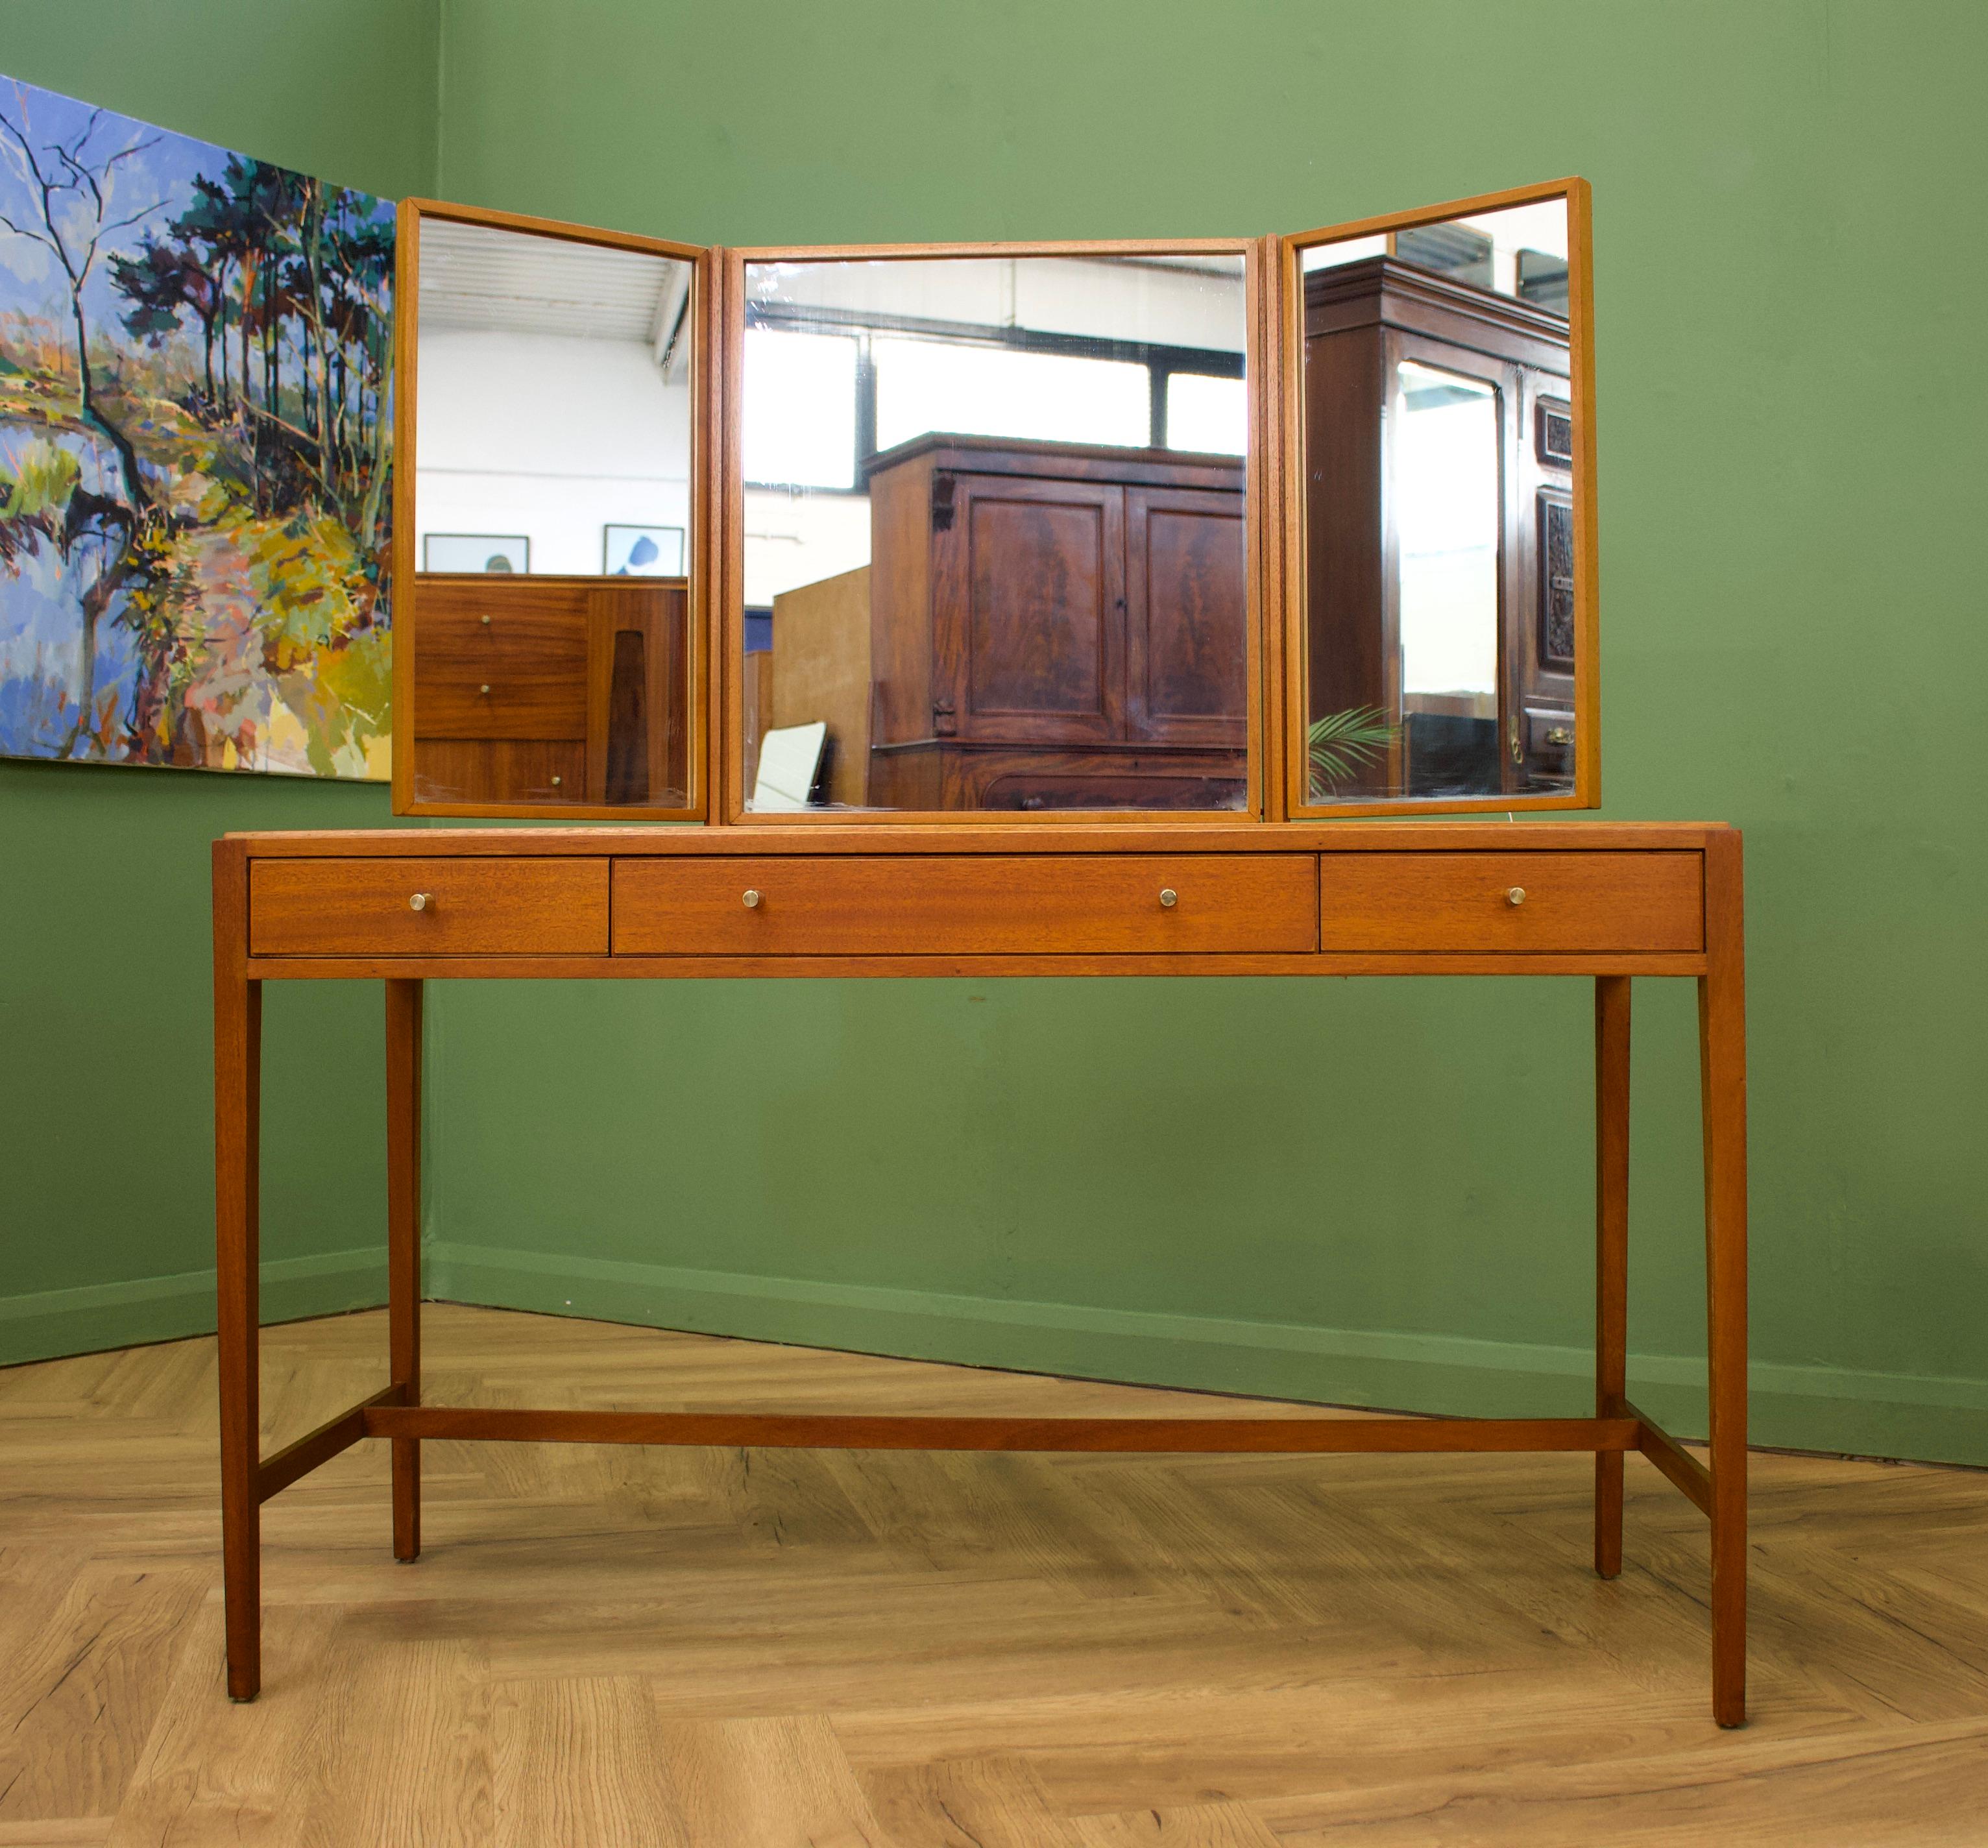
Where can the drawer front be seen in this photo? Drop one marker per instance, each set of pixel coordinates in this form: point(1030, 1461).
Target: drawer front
point(502, 659)
point(966, 905)
point(1463, 902)
point(496, 907)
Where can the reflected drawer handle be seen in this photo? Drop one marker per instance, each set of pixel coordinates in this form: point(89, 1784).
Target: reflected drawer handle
point(1560, 735)
point(420, 901)
point(1169, 897)
point(1516, 896)
point(751, 900)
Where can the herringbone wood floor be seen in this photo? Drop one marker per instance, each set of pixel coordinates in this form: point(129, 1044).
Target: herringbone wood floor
point(777, 1650)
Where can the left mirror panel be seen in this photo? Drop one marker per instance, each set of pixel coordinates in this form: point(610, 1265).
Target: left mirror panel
point(546, 519)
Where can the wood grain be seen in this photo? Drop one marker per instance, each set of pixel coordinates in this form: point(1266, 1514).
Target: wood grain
point(920, 834)
point(1722, 1031)
point(1651, 901)
point(351, 905)
point(965, 906)
point(1115, 1652)
point(1612, 1253)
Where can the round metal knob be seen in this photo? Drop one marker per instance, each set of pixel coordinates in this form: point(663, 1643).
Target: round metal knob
point(1516, 896)
point(484, 687)
point(486, 622)
point(751, 900)
point(420, 901)
point(557, 781)
point(1169, 897)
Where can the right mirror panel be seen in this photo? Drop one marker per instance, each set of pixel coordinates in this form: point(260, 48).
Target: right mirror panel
point(1441, 512)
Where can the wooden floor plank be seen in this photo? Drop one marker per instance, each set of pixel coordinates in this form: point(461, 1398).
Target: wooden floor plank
point(604, 1644)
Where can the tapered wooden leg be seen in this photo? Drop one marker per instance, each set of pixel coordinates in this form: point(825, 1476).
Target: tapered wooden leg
point(238, 1091)
point(1722, 1032)
point(404, 1247)
point(1612, 1253)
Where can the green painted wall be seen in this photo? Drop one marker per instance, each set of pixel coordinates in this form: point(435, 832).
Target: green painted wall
point(106, 1194)
point(1376, 1191)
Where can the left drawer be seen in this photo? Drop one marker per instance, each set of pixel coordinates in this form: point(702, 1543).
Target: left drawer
point(497, 906)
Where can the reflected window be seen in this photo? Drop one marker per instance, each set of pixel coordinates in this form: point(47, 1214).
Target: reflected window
point(1446, 489)
point(1209, 414)
point(799, 419)
point(924, 385)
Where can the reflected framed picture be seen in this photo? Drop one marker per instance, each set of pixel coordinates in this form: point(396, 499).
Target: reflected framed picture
point(642, 552)
point(476, 552)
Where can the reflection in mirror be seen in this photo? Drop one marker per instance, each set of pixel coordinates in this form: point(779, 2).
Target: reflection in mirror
point(1439, 515)
point(552, 510)
point(994, 530)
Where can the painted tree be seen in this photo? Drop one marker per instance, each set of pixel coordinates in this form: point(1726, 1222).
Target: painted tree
point(78, 199)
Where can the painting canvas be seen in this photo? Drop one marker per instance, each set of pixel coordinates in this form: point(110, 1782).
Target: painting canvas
point(195, 420)
point(643, 551)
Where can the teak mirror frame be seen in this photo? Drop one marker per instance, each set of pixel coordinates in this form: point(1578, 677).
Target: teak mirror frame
point(1287, 368)
point(1277, 786)
point(704, 421)
point(732, 599)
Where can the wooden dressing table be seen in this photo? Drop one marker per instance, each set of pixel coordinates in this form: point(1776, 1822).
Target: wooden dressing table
point(1603, 901)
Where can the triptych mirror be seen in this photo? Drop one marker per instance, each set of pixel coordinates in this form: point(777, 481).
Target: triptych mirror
point(1243, 530)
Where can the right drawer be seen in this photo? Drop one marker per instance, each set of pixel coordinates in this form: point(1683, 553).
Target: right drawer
point(1537, 902)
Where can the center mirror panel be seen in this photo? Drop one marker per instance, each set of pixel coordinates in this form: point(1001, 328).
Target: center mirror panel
point(994, 550)
point(552, 522)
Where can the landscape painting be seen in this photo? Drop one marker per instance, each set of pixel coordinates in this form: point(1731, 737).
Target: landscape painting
point(196, 357)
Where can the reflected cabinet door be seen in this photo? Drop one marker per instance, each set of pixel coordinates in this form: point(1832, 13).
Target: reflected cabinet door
point(992, 552)
point(1441, 626)
point(547, 508)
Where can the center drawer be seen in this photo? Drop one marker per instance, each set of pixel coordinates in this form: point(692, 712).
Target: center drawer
point(966, 905)
point(453, 906)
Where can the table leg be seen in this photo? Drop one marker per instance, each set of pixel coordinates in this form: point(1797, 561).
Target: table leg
point(1722, 1028)
point(1612, 1253)
point(237, 1092)
point(404, 1247)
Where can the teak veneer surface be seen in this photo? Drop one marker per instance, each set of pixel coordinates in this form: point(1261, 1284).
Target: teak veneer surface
point(1523, 901)
point(727, 1649)
point(353, 905)
point(1018, 834)
point(984, 904)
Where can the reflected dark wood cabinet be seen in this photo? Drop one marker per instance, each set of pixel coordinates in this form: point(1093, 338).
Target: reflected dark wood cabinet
point(1372, 328)
point(545, 689)
point(1055, 626)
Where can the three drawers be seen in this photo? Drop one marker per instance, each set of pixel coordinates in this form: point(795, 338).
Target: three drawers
point(447, 906)
point(966, 904)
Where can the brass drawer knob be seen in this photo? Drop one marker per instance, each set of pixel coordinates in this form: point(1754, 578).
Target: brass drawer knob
point(1169, 897)
point(1516, 896)
point(751, 900)
point(557, 781)
point(420, 901)
point(484, 687)
point(486, 622)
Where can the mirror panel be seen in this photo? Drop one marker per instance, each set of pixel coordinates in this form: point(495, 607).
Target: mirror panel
point(1438, 511)
point(552, 520)
point(994, 551)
